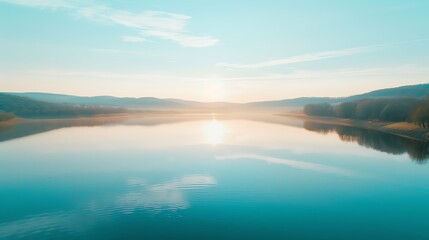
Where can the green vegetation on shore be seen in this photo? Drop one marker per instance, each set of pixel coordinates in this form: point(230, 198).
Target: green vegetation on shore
point(383, 109)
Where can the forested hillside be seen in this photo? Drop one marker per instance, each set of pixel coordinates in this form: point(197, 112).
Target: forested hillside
point(384, 109)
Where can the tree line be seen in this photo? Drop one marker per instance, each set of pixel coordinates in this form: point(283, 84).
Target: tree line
point(384, 109)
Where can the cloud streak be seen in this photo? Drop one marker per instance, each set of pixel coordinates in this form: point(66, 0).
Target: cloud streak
point(133, 39)
point(364, 73)
point(318, 55)
point(54, 4)
point(147, 24)
point(299, 58)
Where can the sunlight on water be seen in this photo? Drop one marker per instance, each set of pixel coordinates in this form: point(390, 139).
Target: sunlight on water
point(160, 178)
point(214, 132)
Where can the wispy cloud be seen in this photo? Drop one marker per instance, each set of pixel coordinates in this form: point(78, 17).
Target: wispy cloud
point(300, 58)
point(133, 39)
point(147, 24)
point(319, 55)
point(41, 3)
point(112, 75)
point(390, 72)
point(164, 25)
point(118, 51)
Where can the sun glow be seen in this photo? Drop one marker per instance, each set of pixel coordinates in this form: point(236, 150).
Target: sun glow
point(214, 90)
point(214, 132)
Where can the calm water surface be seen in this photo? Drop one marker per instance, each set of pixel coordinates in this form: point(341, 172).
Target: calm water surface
point(210, 178)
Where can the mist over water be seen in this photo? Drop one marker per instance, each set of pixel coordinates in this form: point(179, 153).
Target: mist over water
point(209, 177)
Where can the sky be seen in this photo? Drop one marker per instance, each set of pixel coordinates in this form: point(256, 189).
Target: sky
point(238, 51)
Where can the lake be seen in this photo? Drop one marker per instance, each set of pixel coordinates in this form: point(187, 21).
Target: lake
point(209, 177)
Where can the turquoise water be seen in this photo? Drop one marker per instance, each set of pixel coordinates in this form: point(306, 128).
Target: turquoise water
point(210, 178)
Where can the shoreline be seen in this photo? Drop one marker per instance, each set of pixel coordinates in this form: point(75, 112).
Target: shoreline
point(402, 129)
point(122, 116)
point(12, 121)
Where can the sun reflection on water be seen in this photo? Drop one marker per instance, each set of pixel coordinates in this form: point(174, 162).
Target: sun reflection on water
point(214, 132)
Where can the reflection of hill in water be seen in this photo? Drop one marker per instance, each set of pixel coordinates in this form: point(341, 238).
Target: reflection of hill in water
point(26, 128)
point(31, 127)
point(388, 143)
point(383, 142)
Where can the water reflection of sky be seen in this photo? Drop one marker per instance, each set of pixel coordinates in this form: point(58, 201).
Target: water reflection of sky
point(166, 197)
point(211, 131)
point(74, 180)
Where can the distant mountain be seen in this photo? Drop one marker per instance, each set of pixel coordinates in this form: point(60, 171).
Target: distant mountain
point(294, 102)
point(206, 105)
point(413, 91)
point(103, 101)
point(150, 103)
point(31, 108)
point(147, 103)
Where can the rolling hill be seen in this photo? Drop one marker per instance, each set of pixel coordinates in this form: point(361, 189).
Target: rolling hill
point(413, 91)
point(33, 103)
point(102, 101)
point(147, 103)
point(31, 108)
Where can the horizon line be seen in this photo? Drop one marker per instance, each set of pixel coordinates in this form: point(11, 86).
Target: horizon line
point(172, 98)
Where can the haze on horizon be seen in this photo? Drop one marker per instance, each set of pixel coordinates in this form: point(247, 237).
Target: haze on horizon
point(212, 51)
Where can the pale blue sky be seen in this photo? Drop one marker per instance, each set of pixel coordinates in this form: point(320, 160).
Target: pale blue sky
point(212, 50)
